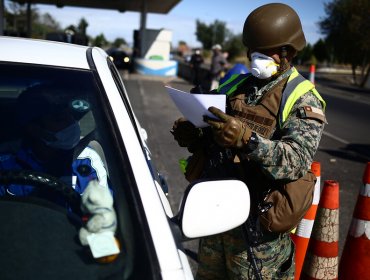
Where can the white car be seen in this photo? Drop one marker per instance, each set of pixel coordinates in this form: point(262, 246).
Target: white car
point(39, 237)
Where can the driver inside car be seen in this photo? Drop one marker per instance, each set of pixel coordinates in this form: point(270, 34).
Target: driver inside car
point(50, 134)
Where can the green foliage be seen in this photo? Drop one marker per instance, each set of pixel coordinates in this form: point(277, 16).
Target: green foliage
point(118, 42)
point(16, 21)
point(100, 41)
point(71, 27)
point(347, 30)
point(82, 26)
point(214, 33)
point(207, 53)
point(218, 33)
point(304, 56)
point(43, 24)
point(320, 51)
point(234, 46)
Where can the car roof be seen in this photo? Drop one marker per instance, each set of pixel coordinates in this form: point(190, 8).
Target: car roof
point(43, 52)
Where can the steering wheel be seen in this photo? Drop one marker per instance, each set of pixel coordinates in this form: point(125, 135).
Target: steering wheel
point(44, 182)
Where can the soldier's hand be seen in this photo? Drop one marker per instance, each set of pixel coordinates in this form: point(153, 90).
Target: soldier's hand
point(185, 133)
point(228, 131)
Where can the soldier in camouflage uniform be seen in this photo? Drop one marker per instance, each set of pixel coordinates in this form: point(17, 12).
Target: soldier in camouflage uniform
point(270, 133)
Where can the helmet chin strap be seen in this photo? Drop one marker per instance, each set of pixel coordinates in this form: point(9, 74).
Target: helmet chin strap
point(284, 65)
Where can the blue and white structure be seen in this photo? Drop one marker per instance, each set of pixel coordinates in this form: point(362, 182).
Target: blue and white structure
point(156, 57)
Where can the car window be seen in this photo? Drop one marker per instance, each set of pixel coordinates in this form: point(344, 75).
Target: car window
point(119, 83)
point(78, 92)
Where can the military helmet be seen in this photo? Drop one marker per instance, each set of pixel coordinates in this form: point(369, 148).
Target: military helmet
point(273, 25)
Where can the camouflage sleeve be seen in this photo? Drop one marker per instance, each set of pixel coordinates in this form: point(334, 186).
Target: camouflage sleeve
point(291, 156)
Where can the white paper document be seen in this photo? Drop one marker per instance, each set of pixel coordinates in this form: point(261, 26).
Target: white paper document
point(194, 106)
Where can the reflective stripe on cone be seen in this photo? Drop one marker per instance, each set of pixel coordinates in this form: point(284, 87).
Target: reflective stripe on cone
point(303, 231)
point(312, 73)
point(355, 260)
point(322, 256)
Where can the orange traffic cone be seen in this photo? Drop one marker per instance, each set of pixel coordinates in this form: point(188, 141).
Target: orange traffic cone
point(322, 255)
point(312, 73)
point(302, 234)
point(355, 260)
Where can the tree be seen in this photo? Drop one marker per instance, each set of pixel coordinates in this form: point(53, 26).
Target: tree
point(100, 41)
point(347, 30)
point(320, 51)
point(16, 21)
point(72, 28)
point(118, 42)
point(47, 20)
point(304, 56)
point(43, 24)
point(214, 33)
point(182, 48)
point(82, 26)
point(234, 46)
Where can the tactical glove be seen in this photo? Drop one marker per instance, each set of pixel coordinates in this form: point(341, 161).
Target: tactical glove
point(186, 134)
point(228, 131)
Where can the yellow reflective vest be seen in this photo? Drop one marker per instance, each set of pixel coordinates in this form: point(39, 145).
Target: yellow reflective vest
point(296, 86)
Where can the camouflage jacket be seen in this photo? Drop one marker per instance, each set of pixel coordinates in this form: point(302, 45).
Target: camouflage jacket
point(290, 156)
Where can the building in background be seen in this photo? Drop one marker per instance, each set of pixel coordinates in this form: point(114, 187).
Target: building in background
point(155, 57)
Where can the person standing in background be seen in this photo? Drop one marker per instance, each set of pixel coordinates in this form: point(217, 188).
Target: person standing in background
point(218, 64)
point(196, 61)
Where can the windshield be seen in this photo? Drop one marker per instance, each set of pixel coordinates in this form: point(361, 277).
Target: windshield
point(55, 121)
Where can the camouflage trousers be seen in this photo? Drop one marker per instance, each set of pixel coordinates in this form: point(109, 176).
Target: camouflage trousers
point(224, 256)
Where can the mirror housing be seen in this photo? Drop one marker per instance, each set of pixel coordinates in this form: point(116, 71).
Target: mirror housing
point(212, 207)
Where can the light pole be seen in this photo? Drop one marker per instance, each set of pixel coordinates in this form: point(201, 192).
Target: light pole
point(2, 19)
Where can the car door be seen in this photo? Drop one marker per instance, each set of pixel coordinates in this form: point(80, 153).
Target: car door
point(149, 198)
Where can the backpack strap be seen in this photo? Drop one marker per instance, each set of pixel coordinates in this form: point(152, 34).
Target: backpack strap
point(232, 84)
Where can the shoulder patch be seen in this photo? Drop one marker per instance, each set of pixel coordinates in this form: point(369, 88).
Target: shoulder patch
point(310, 112)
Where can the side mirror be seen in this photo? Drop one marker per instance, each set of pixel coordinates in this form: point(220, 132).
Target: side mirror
point(213, 207)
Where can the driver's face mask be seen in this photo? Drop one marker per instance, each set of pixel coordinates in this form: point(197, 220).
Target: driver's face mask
point(65, 139)
point(263, 66)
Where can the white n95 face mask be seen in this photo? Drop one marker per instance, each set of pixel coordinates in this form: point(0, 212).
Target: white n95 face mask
point(263, 66)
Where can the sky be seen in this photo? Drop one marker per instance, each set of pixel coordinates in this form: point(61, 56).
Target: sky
point(182, 18)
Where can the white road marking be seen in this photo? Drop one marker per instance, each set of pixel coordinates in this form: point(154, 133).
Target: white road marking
point(341, 140)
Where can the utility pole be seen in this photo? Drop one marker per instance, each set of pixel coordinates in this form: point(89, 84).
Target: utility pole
point(29, 20)
point(142, 36)
point(2, 19)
